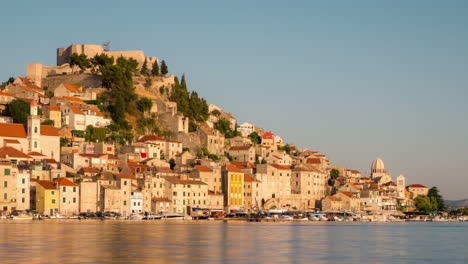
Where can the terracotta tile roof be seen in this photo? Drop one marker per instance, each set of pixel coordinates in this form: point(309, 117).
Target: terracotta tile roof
point(49, 131)
point(313, 168)
point(12, 153)
point(201, 168)
point(48, 185)
point(416, 186)
point(268, 135)
point(76, 110)
point(52, 108)
point(177, 180)
point(241, 147)
point(160, 199)
point(51, 161)
point(92, 155)
point(24, 80)
point(350, 195)
point(354, 186)
point(11, 141)
point(123, 175)
point(73, 99)
point(331, 198)
point(65, 182)
point(390, 184)
point(313, 161)
point(280, 167)
point(250, 178)
point(150, 138)
point(165, 170)
point(112, 157)
point(36, 154)
point(133, 167)
point(244, 164)
point(90, 169)
point(73, 88)
point(233, 168)
point(354, 171)
point(12, 130)
point(6, 94)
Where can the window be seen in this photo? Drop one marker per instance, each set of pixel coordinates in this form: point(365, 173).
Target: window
point(23, 181)
point(53, 201)
point(174, 193)
point(5, 196)
point(64, 189)
point(52, 192)
point(74, 189)
point(35, 144)
point(22, 200)
point(5, 184)
point(74, 200)
point(125, 202)
point(64, 200)
point(7, 172)
point(23, 190)
point(125, 182)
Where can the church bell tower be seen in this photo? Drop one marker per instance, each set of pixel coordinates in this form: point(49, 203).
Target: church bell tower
point(34, 128)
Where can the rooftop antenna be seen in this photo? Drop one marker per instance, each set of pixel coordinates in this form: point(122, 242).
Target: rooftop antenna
point(106, 45)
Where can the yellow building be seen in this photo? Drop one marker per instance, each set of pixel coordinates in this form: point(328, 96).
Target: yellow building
point(233, 188)
point(47, 198)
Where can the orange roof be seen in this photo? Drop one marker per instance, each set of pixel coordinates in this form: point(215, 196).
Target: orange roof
point(416, 186)
point(10, 152)
point(347, 193)
point(52, 108)
point(49, 131)
point(73, 88)
point(24, 80)
point(280, 167)
point(65, 182)
point(353, 171)
point(241, 147)
point(244, 164)
point(133, 167)
point(36, 154)
point(150, 138)
point(313, 161)
point(268, 135)
point(90, 169)
point(331, 198)
point(11, 141)
point(48, 185)
point(165, 170)
point(250, 178)
point(5, 93)
point(160, 199)
point(126, 176)
point(12, 130)
point(233, 168)
point(74, 99)
point(201, 168)
point(76, 110)
point(177, 180)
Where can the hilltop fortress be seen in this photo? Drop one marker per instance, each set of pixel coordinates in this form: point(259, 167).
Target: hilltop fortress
point(37, 71)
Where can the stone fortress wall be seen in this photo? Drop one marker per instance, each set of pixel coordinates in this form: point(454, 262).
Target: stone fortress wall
point(37, 71)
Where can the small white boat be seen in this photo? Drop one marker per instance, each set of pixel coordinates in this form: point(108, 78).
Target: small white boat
point(314, 218)
point(176, 216)
point(336, 218)
point(135, 217)
point(286, 218)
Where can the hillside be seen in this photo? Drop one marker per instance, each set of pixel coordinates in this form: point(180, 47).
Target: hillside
point(457, 203)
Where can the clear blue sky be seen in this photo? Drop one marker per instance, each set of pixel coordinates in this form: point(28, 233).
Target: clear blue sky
point(352, 79)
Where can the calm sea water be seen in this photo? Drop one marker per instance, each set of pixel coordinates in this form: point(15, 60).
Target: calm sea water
point(89, 241)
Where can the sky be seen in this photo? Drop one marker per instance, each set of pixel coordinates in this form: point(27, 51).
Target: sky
point(354, 80)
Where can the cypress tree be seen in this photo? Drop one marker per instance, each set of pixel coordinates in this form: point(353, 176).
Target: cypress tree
point(164, 69)
point(155, 69)
point(144, 68)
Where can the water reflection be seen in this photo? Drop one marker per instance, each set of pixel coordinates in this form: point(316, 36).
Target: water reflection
point(55, 241)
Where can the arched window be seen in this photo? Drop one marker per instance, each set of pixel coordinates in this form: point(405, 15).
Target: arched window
point(35, 129)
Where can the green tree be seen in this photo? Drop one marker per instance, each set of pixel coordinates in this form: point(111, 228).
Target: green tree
point(48, 122)
point(95, 134)
point(4, 84)
point(19, 110)
point(425, 203)
point(172, 163)
point(334, 174)
point(216, 112)
point(64, 142)
point(101, 60)
point(155, 69)
point(435, 194)
point(144, 68)
point(192, 126)
point(80, 60)
point(144, 104)
point(255, 138)
point(164, 69)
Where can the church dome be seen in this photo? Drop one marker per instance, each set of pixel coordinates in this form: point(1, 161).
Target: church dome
point(378, 165)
